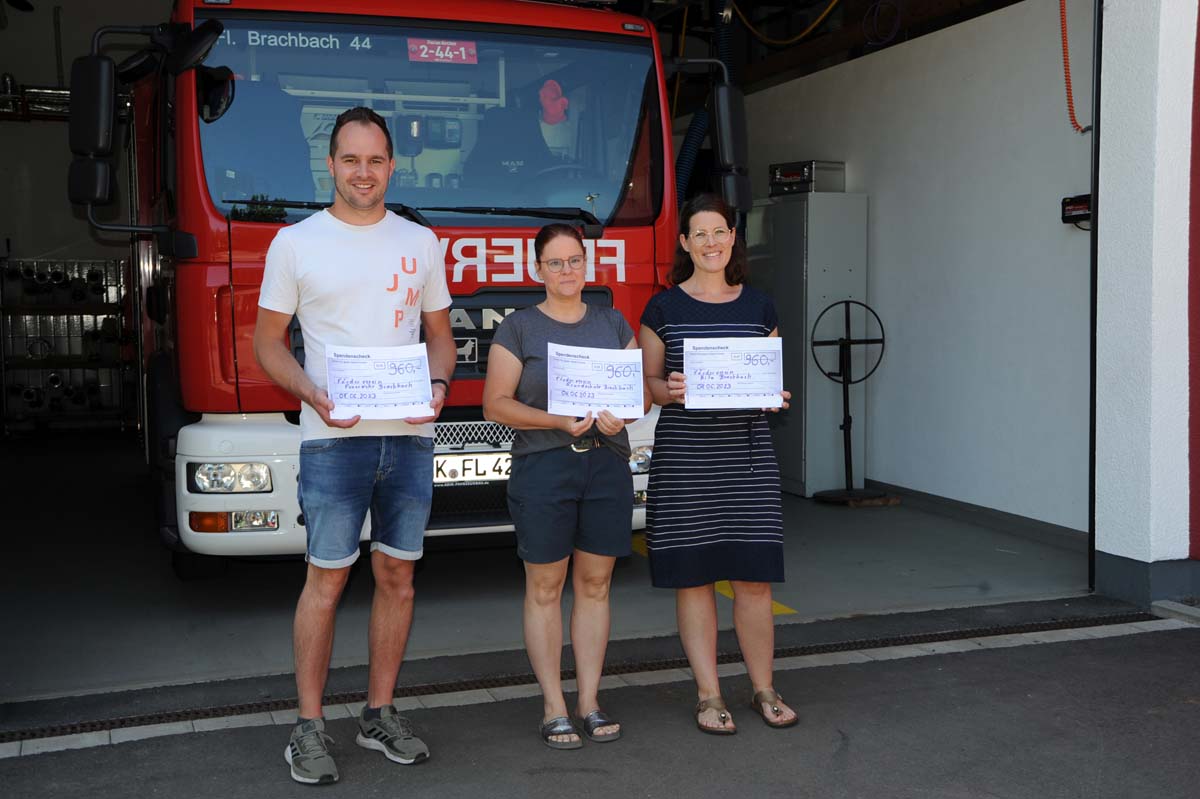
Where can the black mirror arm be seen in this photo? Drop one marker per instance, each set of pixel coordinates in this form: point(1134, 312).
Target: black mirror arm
point(178, 243)
point(680, 64)
point(91, 217)
point(140, 30)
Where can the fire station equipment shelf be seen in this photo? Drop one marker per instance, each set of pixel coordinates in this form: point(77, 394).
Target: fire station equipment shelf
point(809, 250)
point(68, 352)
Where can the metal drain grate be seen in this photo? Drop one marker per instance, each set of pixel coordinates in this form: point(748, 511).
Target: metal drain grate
point(500, 681)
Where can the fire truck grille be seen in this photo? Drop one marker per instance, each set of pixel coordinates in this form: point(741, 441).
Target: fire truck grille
point(472, 435)
point(475, 318)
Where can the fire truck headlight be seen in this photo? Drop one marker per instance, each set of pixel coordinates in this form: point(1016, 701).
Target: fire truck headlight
point(254, 478)
point(229, 478)
point(639, 459)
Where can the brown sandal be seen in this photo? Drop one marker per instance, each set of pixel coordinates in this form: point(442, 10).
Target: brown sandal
point(718, 704)
point(773, 699)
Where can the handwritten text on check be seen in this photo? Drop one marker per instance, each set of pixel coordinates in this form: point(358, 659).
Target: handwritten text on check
point(733, 372)
point(379, 382)
point(582, 379)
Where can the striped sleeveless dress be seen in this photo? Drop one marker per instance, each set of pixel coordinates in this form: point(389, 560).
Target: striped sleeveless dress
point(714, 510)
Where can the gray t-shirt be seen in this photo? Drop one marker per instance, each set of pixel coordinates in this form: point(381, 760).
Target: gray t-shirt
point(526, 333)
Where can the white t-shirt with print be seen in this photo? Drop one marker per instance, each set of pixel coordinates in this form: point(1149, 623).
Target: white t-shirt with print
point(354, 286)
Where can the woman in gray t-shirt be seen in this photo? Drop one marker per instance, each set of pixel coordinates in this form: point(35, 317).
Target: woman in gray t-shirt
point(570, 492)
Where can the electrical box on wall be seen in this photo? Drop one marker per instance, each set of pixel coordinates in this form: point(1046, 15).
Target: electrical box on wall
point(797, 177)
point(1077, 209)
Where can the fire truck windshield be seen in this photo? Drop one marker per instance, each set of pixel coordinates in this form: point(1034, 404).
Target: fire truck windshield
point(488, 117)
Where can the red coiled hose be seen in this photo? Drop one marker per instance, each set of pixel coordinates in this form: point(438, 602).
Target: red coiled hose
point(1062, 10)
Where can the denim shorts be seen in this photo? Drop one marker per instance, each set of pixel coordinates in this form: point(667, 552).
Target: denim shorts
point(341, 479)
point(561, 500)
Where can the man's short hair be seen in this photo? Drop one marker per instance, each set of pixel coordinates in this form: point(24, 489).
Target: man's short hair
point(359, 114)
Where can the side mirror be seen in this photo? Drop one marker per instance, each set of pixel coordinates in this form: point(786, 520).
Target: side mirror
point(731, 149)
point(93, 116)
point(729, 112)
point(215, 88)
point(93, 105)
point(735, 188)
point(89, 181)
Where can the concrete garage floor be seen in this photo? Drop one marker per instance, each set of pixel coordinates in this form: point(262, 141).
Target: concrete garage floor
point(91, 604)
point(1109, 716)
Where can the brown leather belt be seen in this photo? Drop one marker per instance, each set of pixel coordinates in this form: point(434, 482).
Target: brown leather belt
point(585, 444)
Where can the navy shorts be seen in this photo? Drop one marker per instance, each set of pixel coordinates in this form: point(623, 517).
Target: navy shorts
point(561, 500)
point(342, 479)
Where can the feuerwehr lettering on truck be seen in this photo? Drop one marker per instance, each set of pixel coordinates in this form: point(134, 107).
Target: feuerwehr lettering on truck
point(511, 260)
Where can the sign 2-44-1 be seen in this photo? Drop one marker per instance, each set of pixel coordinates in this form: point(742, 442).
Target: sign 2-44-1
point(442, 51)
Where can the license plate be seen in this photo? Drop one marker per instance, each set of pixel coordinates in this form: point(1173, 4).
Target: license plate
point(473, 468)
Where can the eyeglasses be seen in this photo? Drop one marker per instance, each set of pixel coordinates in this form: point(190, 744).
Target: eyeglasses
point(718, 236)
point(576, 262)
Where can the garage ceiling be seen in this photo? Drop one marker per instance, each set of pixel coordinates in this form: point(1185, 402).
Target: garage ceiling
point(840, 30)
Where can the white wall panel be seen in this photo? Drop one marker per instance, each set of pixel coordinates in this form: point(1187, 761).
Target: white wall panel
point(1142, 350)
point(962, 142)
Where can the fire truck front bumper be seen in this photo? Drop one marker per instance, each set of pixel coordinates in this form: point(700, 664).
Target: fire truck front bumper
point(235, 485)
point(236, 478)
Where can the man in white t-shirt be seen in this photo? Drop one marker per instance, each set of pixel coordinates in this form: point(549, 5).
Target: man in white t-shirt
point(356, 274)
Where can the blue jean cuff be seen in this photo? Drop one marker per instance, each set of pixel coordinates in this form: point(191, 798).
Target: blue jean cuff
point(340, 563)
point(399, 554)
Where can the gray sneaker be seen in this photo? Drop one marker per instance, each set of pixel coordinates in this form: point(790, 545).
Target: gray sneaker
point(391, 734)
point(308, 754)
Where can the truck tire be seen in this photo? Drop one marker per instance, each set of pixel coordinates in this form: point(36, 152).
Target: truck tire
point(165, 514)
point(165, 412)
point(165, 416)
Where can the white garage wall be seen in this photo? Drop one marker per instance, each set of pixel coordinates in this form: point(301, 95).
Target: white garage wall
point(1142, 313)
point(962, 142)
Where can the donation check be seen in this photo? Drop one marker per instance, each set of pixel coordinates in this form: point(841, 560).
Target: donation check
point(733, 372)
point(378, 382)
point(582, 379)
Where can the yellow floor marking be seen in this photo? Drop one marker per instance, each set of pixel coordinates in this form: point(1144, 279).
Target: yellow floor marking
point(780, 609)
point(723, 587)
point(639, 543)
point(777, 608)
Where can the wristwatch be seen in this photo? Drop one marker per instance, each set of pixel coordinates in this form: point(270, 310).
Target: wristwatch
point(445, 384)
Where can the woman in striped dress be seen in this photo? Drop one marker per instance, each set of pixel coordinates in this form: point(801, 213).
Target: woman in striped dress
point(714, 509)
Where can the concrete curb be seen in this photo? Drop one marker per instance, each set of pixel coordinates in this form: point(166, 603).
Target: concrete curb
point(1166, 609)
point(834, 660)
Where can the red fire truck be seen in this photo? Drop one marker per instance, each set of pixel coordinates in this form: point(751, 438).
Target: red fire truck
point(505, 114)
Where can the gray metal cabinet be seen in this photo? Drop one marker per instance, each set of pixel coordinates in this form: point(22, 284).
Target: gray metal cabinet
point(808, 251)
